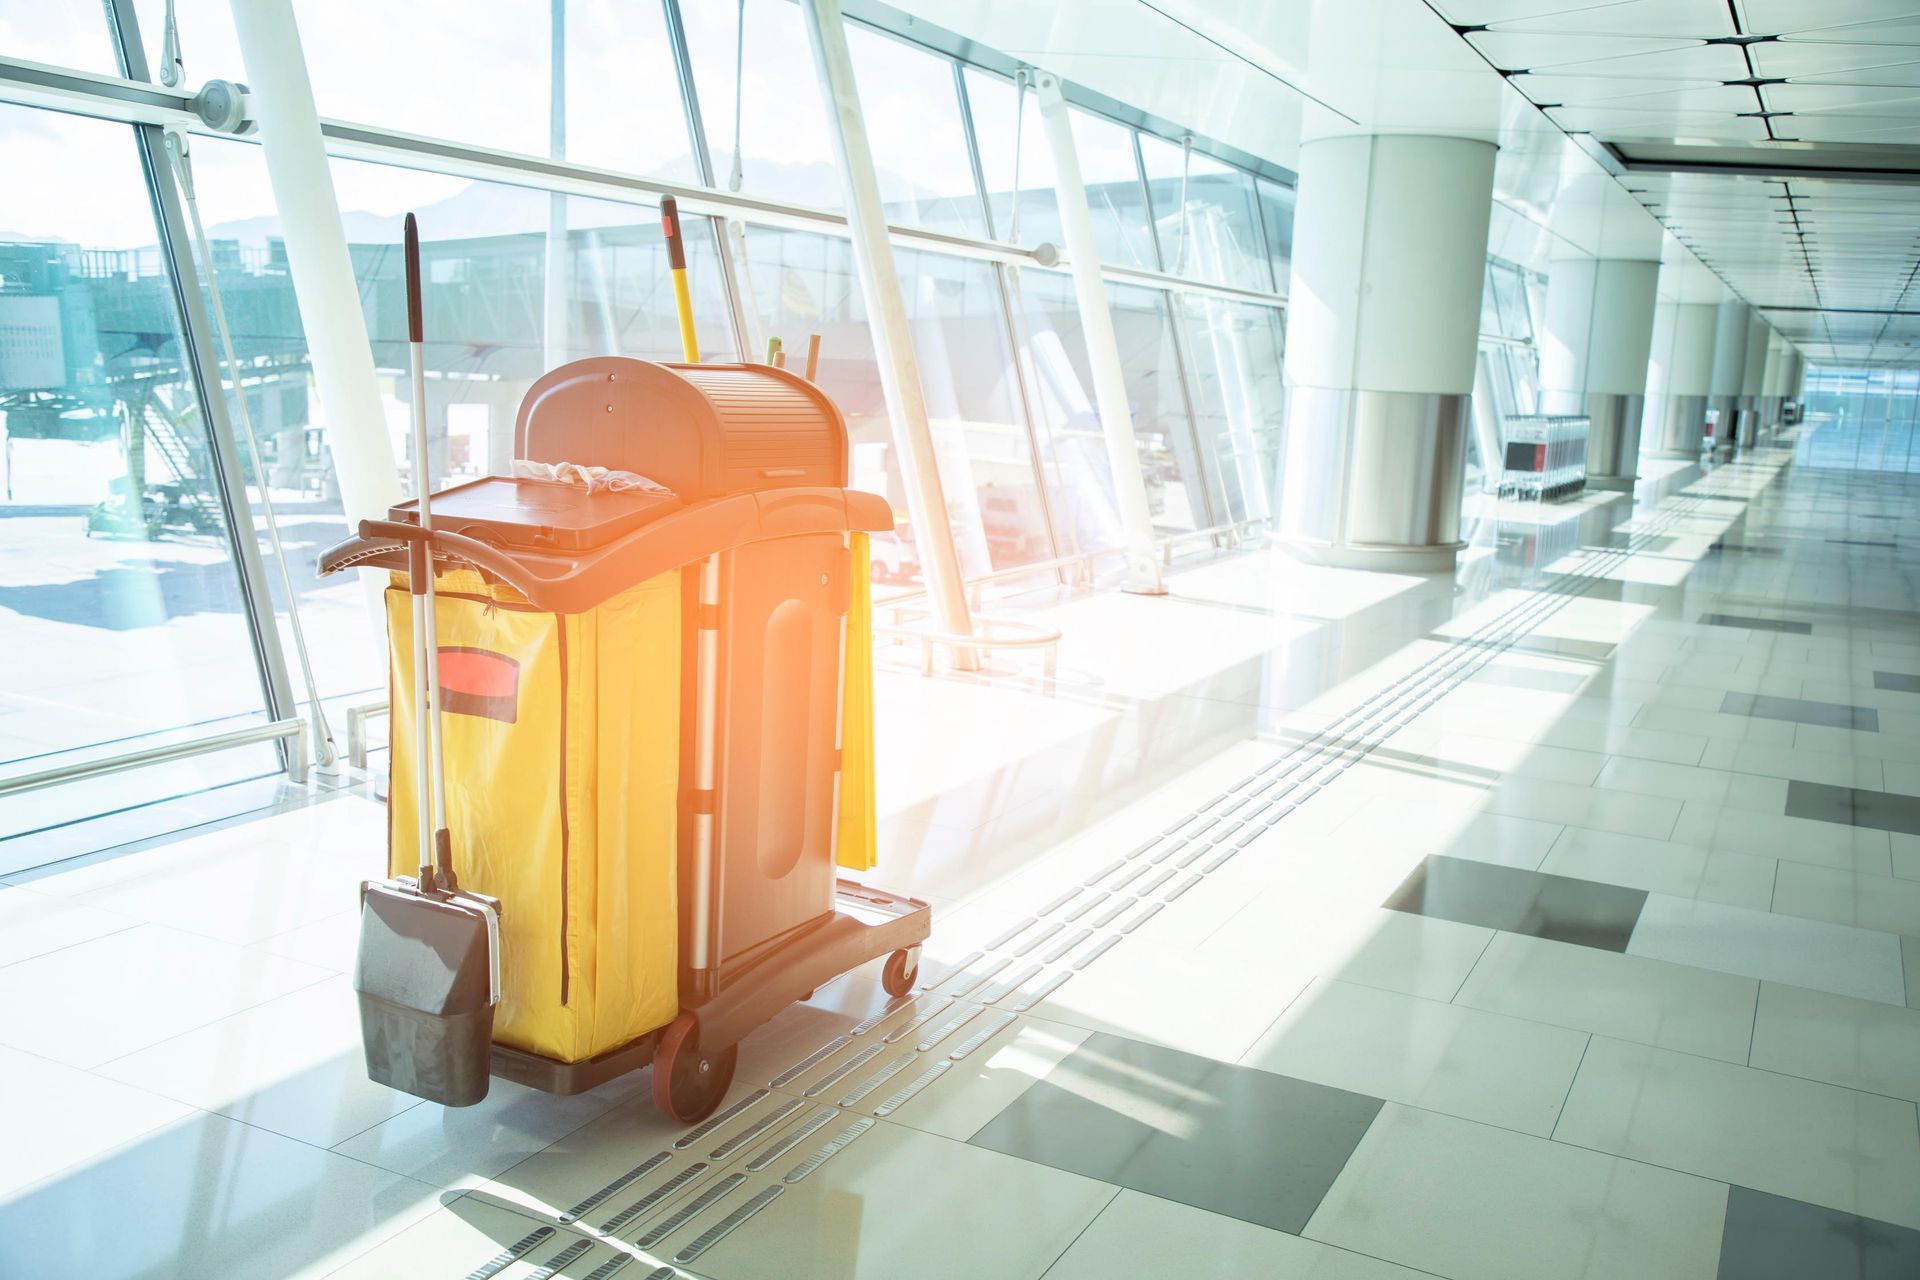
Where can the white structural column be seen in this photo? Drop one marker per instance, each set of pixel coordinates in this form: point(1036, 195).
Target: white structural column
point(1599, 333)
point(1103, 348)
point(323, 280)
point(1753, 380)
point(1683, 372)
point(892, 336)
point(1383, 323)
point(1729, 368)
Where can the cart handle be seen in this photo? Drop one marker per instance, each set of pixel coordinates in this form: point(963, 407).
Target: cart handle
point(455, 546)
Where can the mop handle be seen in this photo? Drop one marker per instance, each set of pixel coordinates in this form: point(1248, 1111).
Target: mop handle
point(677, 263)
point(432, 784)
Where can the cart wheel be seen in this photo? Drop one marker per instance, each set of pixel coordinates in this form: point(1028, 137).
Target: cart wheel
point(903, 969)
point(687, 1083)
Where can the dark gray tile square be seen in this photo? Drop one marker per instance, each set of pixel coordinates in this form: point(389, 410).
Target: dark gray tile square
point(1769, 1237)
point(1860, 542)
point(1756, 624)
point(1745, 548)
point(1881, 810)
point(1834, 715)
point(1897, 681)
point(1247, 1143)
point(1560, 908)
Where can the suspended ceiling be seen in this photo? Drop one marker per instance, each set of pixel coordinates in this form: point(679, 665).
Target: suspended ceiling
point(1724, 118)
point(1676, 129)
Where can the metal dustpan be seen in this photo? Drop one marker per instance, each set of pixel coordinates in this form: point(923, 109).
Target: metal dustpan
point(428, 969)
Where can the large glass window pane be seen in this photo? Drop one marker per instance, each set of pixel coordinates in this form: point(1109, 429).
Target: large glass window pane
point(786, 148)
point(919, 142)
point(64, 35)
point(121, 613)
point(440, 69)
point(1115, 197)
point(1239, 398)
point(1014, 158)
point(1218, 237)
point(803, 283)
point(1079, 479)
point(485, 252)
point(1276, 217)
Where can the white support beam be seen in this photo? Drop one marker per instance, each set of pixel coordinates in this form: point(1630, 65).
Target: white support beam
point(892, 337)
point(323, 279)
point(1103, 348)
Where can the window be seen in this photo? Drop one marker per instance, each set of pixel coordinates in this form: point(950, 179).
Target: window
point(1016, 160)
point(919, 142)
point(62, 35)
point(484, 250)
point(1239, 398)
point(121, 603)
point(1217, 237)
point(1276, 218)
point(804, 283)
point(434, 69)
point(1079, 479)
point(786, 148)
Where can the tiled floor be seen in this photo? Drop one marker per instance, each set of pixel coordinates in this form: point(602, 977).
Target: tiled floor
point(1561, 919)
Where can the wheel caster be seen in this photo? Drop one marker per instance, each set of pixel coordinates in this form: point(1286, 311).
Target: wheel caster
point(687, 1083)
point(901, 972)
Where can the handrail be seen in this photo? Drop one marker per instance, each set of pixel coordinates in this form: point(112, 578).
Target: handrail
point(1036, 637)
point(1082, 562)
point(292, 732)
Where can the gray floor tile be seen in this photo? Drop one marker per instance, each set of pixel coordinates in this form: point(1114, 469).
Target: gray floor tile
point(1756, 624)
point(1880, 810)
point(1542, 905)
point(1834, 715)
point(1771, 1237)
point(1232, 1140)
point(1897, 681)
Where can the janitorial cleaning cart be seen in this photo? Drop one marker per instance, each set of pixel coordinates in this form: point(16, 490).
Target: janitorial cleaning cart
point(649, 708)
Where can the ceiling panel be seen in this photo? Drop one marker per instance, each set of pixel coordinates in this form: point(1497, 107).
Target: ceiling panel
point(1561, 87)
point(1685, 62)
point(1799, 58)
point(1699, 19)
point(1769, 17)
point(1903, 30)
point(1834, 99)
point(1532, 50)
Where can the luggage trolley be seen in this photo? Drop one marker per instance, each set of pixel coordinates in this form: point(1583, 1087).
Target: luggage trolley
point(648, 700)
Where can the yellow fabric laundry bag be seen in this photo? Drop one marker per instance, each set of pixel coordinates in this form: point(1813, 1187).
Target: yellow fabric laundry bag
point(562, 746)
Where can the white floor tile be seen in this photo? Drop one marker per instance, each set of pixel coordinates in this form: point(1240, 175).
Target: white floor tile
point(1830, 844)
point(459, 1147)
point(33, 924)
point(1596, 807)
point(207, 1196)
point(1789, 762)
point(1661, 866)
point(1754, 944)
point(982, 1085)
point(1886, 903)
point(1210, 1004)
point(1856, 1152)
point(1462, 1199)
point(1628, 997)
point(885, 1207)
point(1463, 1062)
point(1688, 782)
point(1139, 1234)
point(1861, 1044)
point(462, 1238)
point(100, 999)
point(293, 1065)
point(1906, 855)
point(56, 1117)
